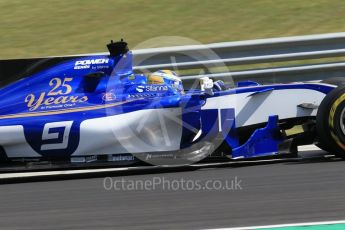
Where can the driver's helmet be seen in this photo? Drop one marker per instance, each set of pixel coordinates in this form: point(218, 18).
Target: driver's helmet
point(166, 77)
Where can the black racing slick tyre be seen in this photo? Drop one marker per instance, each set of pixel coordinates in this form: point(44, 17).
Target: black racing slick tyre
point(330, 122)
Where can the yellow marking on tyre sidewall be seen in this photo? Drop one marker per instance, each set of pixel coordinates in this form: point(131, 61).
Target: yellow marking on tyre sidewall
point(331, 120)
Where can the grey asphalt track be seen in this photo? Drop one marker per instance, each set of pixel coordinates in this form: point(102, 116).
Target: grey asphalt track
point(289, 192)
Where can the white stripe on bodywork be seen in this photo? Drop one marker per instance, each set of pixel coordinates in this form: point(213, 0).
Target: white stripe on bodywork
point(149, 130)
point(256, 109)
point(14, 143)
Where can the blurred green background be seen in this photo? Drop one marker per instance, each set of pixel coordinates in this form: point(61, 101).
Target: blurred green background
point(31, 28)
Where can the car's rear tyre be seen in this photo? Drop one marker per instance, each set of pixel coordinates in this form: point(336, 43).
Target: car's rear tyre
point(330, 122)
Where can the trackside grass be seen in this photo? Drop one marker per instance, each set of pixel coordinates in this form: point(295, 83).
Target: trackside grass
point(56, 27)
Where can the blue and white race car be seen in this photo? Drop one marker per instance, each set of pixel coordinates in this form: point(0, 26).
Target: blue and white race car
point(95, 108)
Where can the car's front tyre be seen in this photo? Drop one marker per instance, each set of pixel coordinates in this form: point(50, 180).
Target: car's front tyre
point(330, 122)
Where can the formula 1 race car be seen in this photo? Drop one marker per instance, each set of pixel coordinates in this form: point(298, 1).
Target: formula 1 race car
point(95, 108)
